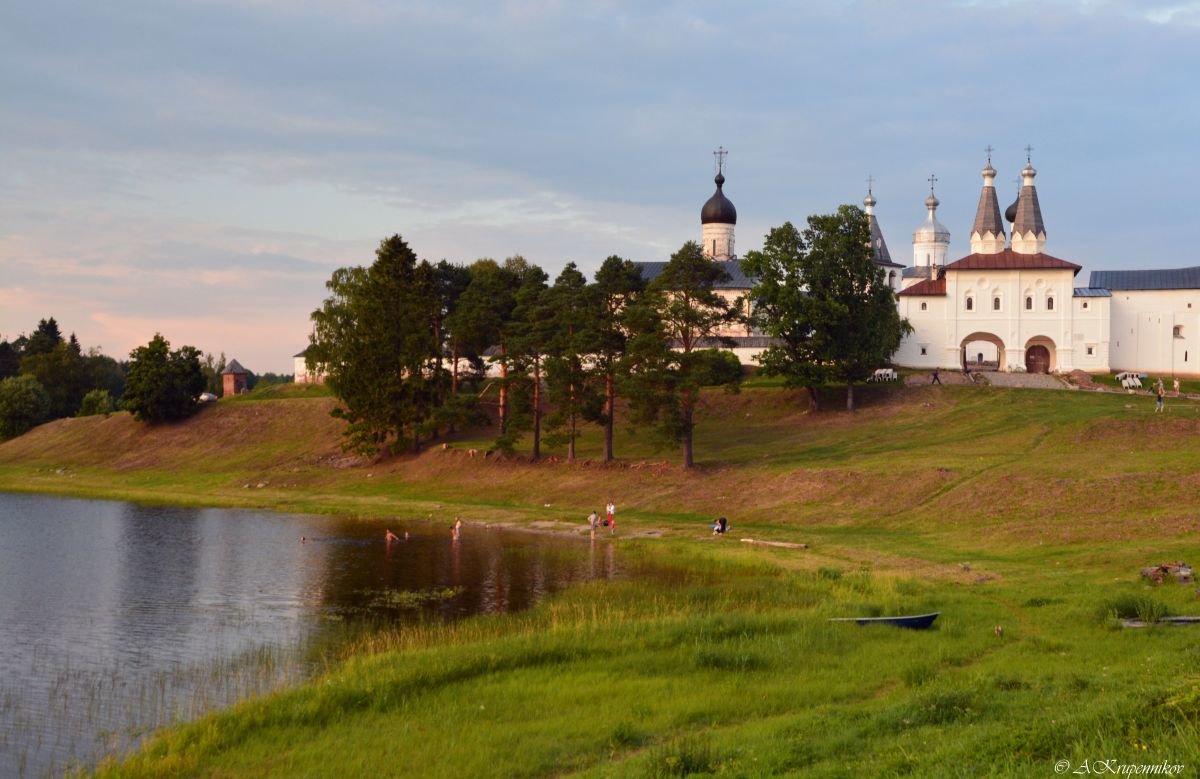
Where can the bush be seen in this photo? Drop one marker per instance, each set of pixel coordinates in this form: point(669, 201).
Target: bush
point(24, 404)
point(96, 402)
point(714, 367)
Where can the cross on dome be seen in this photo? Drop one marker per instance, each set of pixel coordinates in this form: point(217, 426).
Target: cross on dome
point(720, 155)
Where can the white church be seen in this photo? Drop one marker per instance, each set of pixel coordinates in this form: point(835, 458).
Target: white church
point(1008, 305)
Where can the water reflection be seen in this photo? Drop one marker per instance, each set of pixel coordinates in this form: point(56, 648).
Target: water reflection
point(115, 618)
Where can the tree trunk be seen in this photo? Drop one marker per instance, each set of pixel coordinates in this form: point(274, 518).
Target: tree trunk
point(571, 441)
point(537, 408)
point(502, 404)
point(609, 397)
point(850, 396)
point(453, 379)
point(688, 414)
point(814, 400)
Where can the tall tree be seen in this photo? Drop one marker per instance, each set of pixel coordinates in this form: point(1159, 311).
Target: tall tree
point(617, 284)
point(374, 337)
point(10, 360)
point(528, 337)
point(451, 281)
point(484, 318)
point(44, 338)
point(826, 300)
point(213, 367)
point(163, 385)
point(680, 313)
point(782, 310)
point(573, 315)
point(63, 374)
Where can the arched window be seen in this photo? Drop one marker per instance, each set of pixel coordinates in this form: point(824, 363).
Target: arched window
point(1028, 304)
point(892, 279)
point(996, 304)
point(1049, 304)
point(924, 306)
point(970, 304)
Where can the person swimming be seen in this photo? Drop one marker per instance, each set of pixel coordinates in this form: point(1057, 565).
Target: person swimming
point(389, 537)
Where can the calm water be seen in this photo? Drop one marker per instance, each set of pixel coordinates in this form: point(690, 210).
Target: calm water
point(116, 618)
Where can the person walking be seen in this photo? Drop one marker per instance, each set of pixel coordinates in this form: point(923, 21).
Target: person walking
point(936, 378)
point(611, 510)
point(1159, 391)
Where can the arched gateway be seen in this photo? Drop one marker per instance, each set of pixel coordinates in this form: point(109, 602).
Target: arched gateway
point(1040, 355)
point(972, 359)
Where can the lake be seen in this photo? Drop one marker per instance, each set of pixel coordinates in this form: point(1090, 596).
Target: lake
point(117, 618)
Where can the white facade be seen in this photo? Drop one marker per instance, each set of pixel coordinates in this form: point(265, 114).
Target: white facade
point(717, 241)
point(1155, 331)
point(1022, 313)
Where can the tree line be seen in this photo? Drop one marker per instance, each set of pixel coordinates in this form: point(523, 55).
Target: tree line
point(46, 376)
point(404, 342)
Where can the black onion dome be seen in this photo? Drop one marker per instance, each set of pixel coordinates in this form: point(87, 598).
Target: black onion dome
point(718, 209)
point(1010, 213)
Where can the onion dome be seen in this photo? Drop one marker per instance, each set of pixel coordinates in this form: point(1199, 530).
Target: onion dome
point(931, 229)
point(718, 209)
point(1010, 213)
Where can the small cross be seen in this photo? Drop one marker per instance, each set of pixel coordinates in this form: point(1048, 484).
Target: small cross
point(870, 182)
point(720, 155)
point(932, 180)
point(989, 151)
point(1028, 152)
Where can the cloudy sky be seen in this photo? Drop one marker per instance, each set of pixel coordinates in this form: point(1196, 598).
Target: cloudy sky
point(200, 168)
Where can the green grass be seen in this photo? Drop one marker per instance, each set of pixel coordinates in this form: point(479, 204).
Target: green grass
point(1028, 510)
point(732, 669)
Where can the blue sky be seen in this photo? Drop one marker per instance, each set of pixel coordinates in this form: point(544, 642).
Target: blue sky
point(200, 168)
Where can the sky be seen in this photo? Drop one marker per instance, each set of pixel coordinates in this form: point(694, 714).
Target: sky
point(199, 169)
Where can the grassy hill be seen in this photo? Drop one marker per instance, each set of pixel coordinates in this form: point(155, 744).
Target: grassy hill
point(1031, 511)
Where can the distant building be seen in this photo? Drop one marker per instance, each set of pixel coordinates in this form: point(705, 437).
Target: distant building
point(302, 373)
point(236, 379)
point(1007, 305)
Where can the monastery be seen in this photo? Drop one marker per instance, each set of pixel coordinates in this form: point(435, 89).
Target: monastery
point(1007, 305)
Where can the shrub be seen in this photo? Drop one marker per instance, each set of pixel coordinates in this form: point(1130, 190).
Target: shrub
point(96, 402)
point(24, 405)
point(715, 367)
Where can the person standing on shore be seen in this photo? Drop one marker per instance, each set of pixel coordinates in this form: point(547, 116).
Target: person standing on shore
point(1159, 391)
point(611, 509)
point(593, 520)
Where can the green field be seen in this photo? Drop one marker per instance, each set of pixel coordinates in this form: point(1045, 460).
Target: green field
point(1031, 511)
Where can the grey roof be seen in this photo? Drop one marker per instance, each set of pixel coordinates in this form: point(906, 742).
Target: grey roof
point(1170, 278)
point(1029, 213)
point(987, 215)
point(879, 249)
point(1091, 292)
point(737, 277)
point(917, 272)
point(234, 367)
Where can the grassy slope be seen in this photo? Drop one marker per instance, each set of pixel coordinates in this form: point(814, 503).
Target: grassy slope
point(1055, 499)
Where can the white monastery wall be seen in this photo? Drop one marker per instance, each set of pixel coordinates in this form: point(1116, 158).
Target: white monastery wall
point(926, 346)
point(1156, 331)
